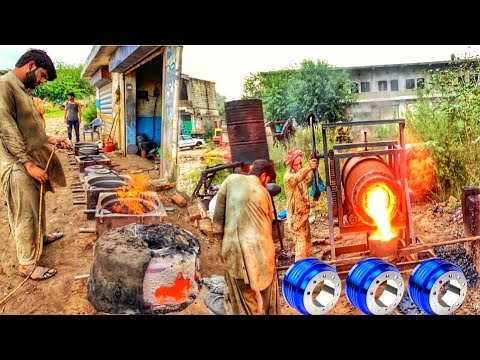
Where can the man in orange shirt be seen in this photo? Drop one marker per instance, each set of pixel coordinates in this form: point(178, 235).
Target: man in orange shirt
point(39, 105)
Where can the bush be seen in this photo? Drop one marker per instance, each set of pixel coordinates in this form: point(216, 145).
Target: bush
point(445, 119)
point(89, 113)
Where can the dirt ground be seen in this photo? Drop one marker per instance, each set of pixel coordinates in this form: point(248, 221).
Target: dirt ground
point(73, 254)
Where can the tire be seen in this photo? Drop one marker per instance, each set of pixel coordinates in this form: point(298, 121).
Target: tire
point(199, 144)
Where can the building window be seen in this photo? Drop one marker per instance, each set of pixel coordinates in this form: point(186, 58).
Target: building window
point(393, 85)
point(420, 83)
point(410, 84)
point(365, 86)
point(382, 86)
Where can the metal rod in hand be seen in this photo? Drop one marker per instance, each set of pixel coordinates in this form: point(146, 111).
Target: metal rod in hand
point(315, 180)
point(277, 223)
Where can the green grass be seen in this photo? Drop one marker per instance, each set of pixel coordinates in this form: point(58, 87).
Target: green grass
point(220, 176)
point(54, 112)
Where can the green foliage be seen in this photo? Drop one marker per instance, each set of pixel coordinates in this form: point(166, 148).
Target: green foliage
point(68, 80)
point(447, 119)
point(273, 88)
point(221, 104)
point(315, 87)
point(194, 176)
point(384, 132)
point(322, 90)
point(89, 113)
point(54, 112)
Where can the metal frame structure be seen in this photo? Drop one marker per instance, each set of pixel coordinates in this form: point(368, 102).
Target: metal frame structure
point(410, 246)
point(394, 150)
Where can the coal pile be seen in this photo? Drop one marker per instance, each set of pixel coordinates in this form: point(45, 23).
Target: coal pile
point(407, 306)
point(284, 258)
point(456, 254)
point(168, 236)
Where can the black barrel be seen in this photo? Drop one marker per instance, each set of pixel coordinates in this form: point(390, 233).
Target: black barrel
point(246, 130)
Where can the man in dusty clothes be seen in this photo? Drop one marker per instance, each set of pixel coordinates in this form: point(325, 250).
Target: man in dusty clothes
point(296, 181)
point(243, 218)
point(24, 153)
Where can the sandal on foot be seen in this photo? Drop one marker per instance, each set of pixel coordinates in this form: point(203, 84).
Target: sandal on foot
point(38, 272)
point(48, 239)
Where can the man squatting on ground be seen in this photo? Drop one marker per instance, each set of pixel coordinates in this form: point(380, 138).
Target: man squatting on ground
point(243, 218)
point(24, 152)
point(296, 181)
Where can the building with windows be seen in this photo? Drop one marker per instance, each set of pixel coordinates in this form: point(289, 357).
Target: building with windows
point(386, 91)
point(198, 106)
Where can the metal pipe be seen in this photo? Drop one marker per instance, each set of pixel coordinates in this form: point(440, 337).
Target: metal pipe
point(401, 253)
point(78, 277)
point(277, 223)
point(417, 248)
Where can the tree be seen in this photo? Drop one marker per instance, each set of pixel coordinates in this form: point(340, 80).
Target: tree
point(447, 119)
point(221, 104)
point(68, 80)
point(273, 89)
point(320, 89)
point(315, 87)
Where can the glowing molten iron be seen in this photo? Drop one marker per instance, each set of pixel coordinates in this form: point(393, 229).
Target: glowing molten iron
point(377, 208)
point(176, 293)
point(129, 196)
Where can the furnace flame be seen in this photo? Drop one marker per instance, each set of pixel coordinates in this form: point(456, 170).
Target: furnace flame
point(129, 195)
point(377, 208)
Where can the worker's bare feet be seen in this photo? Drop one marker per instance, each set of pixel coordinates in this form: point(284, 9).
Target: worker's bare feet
point(37, 272)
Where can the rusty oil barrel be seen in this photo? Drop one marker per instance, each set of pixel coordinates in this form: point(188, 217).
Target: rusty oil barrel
point(246, 130)
point(361, 175)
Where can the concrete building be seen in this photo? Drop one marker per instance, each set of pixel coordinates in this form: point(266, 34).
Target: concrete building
point(198, 106)
point(141, 90)
point(385, 91)
point(138, 89)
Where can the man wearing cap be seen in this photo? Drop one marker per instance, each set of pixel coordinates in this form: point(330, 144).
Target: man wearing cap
point(296, 181)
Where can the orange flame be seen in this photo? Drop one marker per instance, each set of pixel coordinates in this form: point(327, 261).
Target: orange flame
point(377, 208)
point(129, 195)
point(176, 293)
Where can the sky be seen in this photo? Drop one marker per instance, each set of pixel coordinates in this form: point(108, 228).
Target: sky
point(229, 65)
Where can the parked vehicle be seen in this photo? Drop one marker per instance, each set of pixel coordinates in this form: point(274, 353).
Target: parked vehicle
point(279, 131)
point(217, 138)
point(187, 141)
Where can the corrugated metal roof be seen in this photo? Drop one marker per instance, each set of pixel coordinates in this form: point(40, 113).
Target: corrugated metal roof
point(99, 56)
